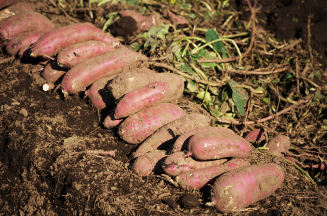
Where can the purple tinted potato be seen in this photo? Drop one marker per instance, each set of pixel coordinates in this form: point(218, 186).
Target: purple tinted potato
point(215, 145)
point(279, 144)
point(238, 189)
point(177, 163)
point(196, 179)
point(136, 128)
point(150, 163)
point(166, 135)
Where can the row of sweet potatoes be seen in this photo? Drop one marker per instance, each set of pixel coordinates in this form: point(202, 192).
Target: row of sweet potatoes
point(141, 106)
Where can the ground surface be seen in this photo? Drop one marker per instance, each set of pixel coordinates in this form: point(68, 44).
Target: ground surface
point(46, 163)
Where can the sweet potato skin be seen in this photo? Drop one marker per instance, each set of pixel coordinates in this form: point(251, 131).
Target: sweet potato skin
point(215, 145)
point(196, 179)
point(5, 3)
point(22, 40)
point(255, 135)
point(177, 163)
point(238, 189)
point(166, 135)
point(90, 70)
point(141, 98)
point(14, 9)
point(150, 163)
point(144, 23)
point(128, 82)
point(52, 72)
point(76, 53)
point(136, 128)
point(110, 122)
point(52, 43)
point(279, 144)
point(99, 95)
point(23, 22)
point(182, 141)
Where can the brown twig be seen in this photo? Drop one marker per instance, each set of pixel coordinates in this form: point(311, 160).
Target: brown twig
point(297, 74)
point(7, 60)
point(236, 122)
point(309, 37)
point(257, 72)
point(95, 152)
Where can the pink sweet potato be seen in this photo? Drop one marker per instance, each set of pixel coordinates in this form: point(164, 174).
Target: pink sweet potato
point(76, 53)
point(54, 41)
point(238, 189)
point(167, 134)
point(15, 9)
point(215, 145)
point(141, 98)
point(52, 72)
point(279, 144)
point(150, 163)
point(110, 122)
point(256, 135)
point(99, 95)
point(6, 3)
point(23, 22)
point(196, 179)
point(23, 40)
point(144, 23)
point(128, 82)
point(90, 70)
point(182, 141)
point(177, 163)
point(136, 128)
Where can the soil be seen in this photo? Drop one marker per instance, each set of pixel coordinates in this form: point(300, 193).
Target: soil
point(53, 150)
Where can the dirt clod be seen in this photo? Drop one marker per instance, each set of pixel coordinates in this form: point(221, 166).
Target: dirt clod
point(190, 201)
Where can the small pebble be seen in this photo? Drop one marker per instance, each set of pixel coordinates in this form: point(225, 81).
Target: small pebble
point(190, 201)
point(23, 112)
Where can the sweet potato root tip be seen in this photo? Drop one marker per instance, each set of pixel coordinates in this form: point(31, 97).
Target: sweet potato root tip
point(240, 188)
point(149, 163)
point(109, 122)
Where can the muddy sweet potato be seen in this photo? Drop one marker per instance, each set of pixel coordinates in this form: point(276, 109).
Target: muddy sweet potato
point(238, 189)
point(178, 163)
point(128, 82)
point(182, 141)
point(99, 95)
point(279, 144)
point(76, 53)
point(23, 22)
point(196, 179)
point(25, 39)
point(166, 135)
point(136, 128)
point(215, 145)
point(110, 122)
point(150, 163)
point(256, 135)
point(90, 70)
point(6, 3)
point(56, 40)
point(15, 9)
point(52, 72)
point(141, 98)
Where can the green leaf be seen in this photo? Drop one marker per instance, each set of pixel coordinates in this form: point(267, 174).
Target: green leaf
point(266, 100)
point(196, 56)
point(192, 86)
point(238, 98)
point(188, 69)
point(218, 46)
point(209, 55)
point(135, 46)
point(205, 95)
point(154, 34)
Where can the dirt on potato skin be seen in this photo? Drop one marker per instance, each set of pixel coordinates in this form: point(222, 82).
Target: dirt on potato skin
point(48, 165)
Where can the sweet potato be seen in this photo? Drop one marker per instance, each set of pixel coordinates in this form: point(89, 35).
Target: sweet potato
point(15, 9)
point(76, 53)
point(100, 96)
point(136, 128)
point(167, 134)
point(238, 189)
point(6, 3)
point(54, 41)
point(182, 141)
point(90, 70)
point(144, 23)
point(150, 163)
point(23, 22)
point(256, 135)
point(177, 163)
point(215, 145)
point(141, 98)
point(110, 122)
point(52, 72)
point(279, 144)
point(23, 40)
point(196, 179)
